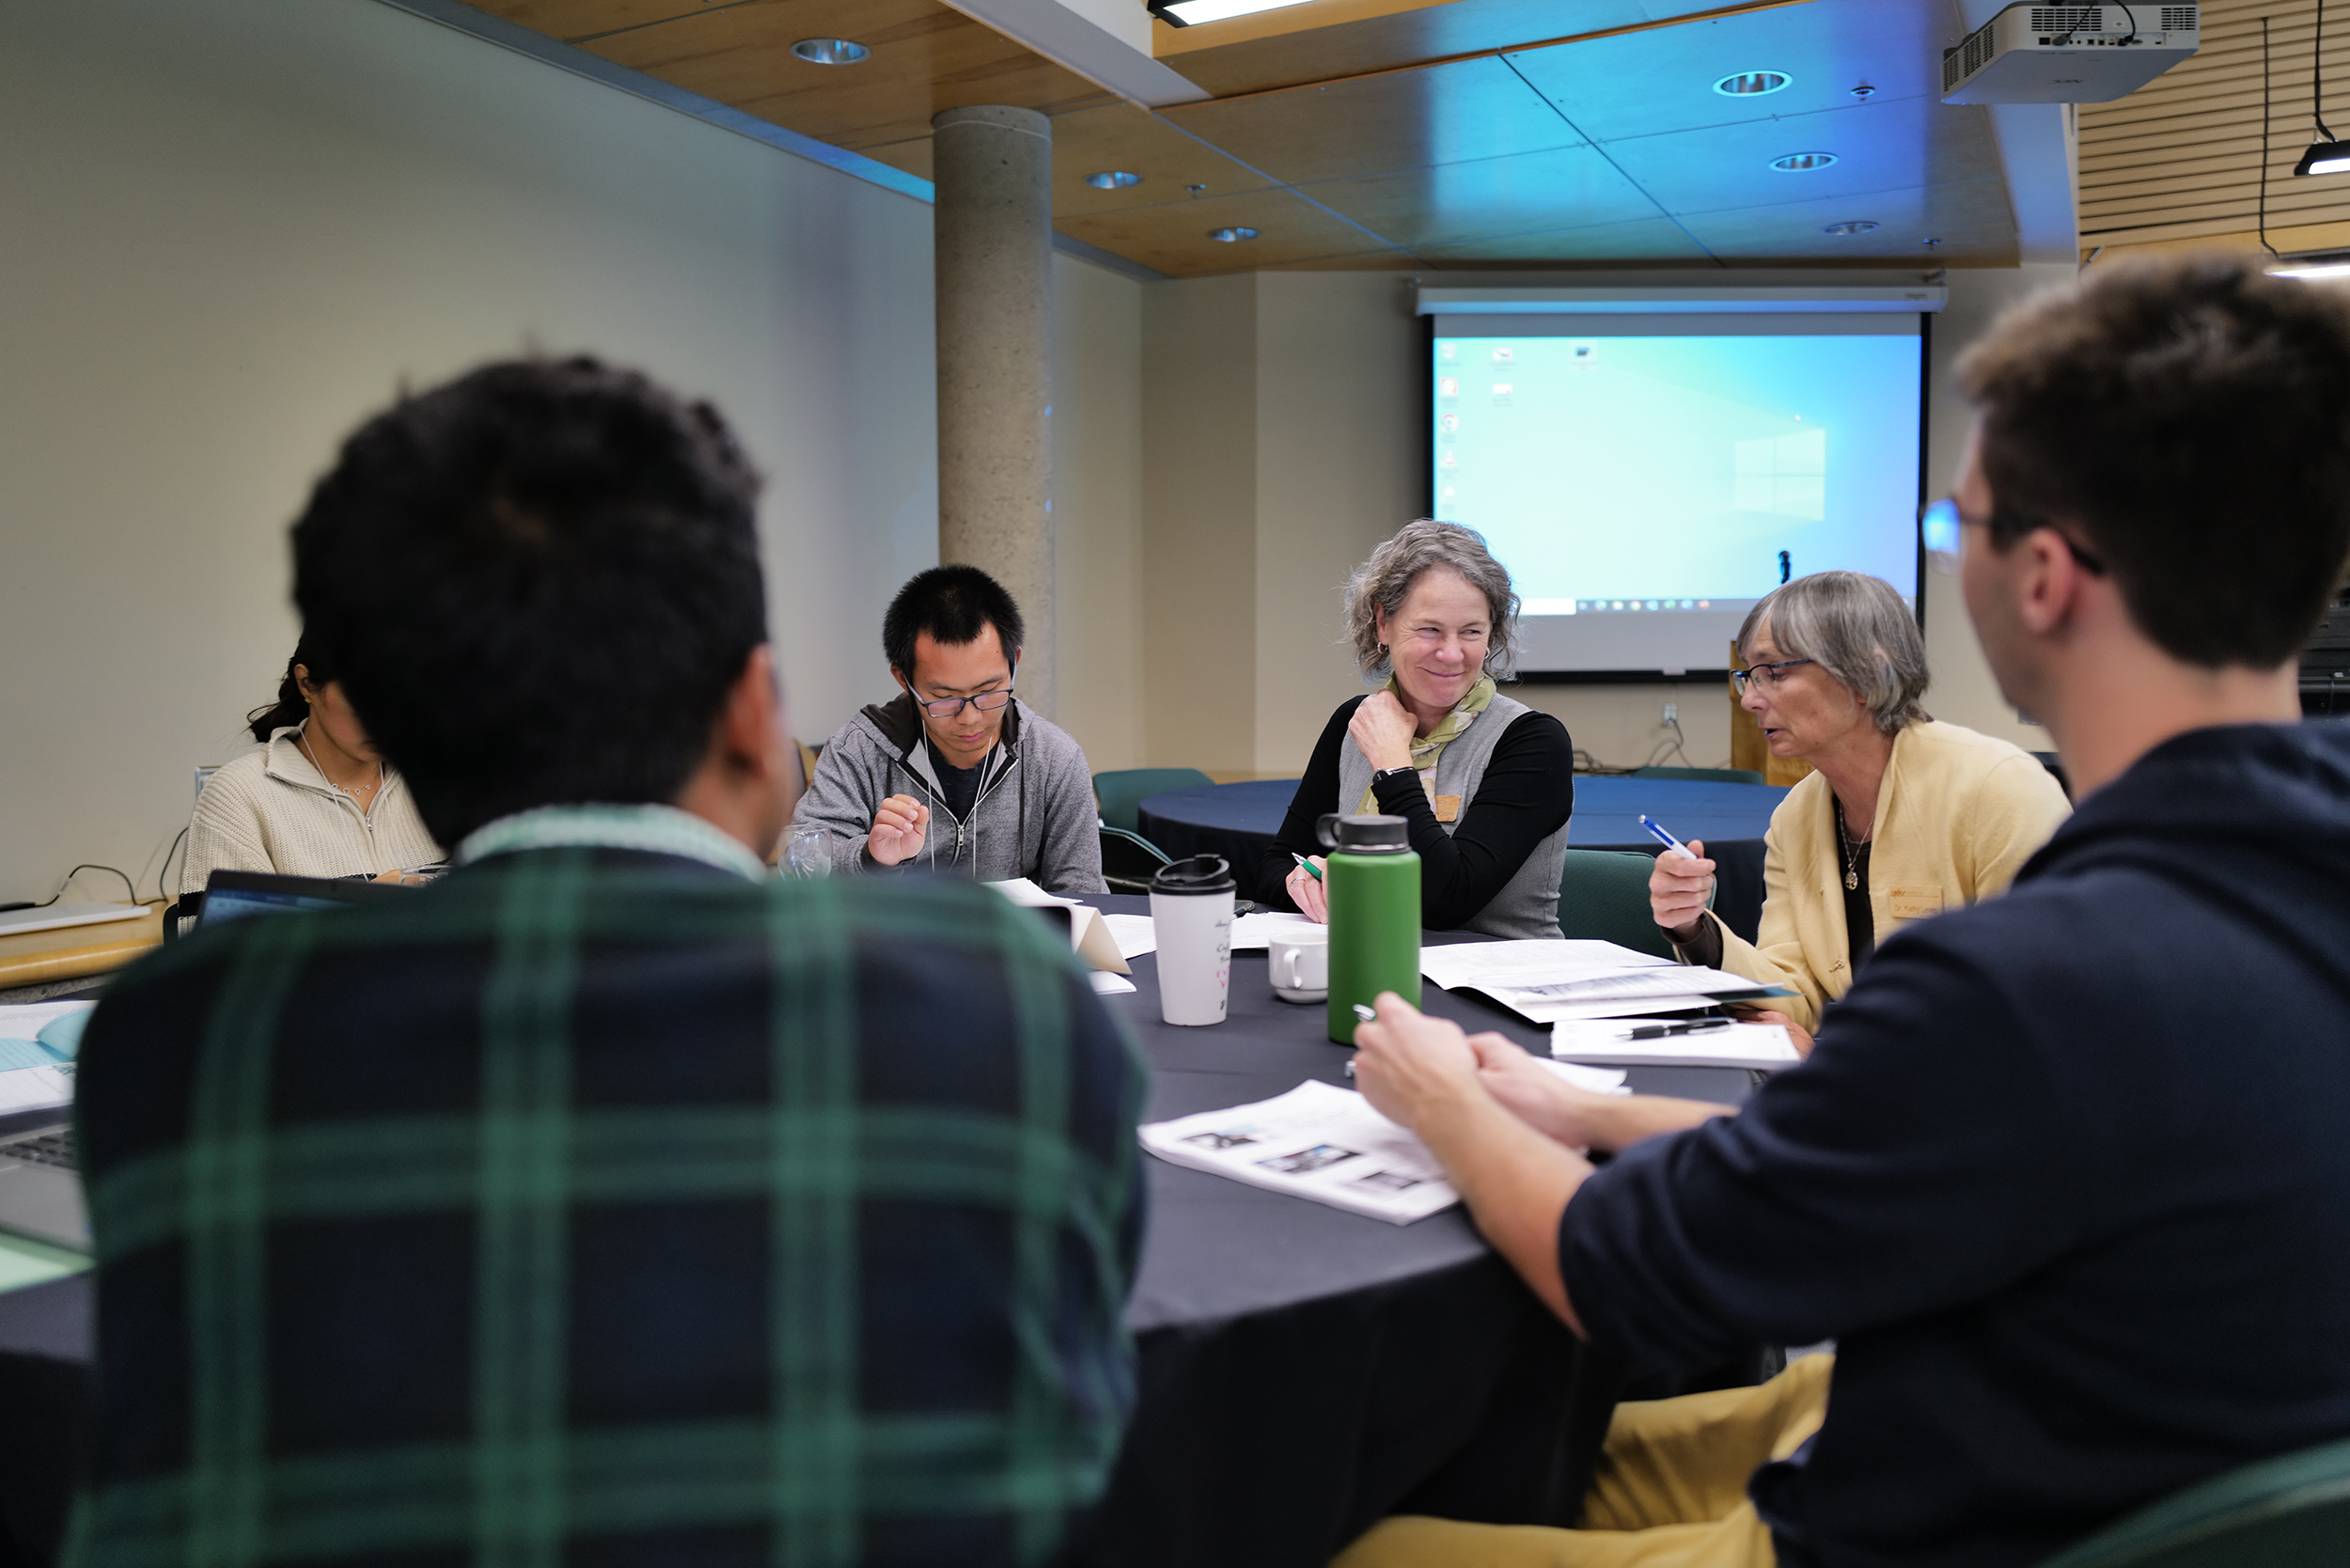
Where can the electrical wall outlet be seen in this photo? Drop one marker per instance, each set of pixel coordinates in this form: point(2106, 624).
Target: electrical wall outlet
point(1672, 713)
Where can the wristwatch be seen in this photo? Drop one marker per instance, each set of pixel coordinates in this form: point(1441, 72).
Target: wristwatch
point(1405, 772)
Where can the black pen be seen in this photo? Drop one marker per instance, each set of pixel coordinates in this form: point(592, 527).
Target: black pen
point(1658, 1031)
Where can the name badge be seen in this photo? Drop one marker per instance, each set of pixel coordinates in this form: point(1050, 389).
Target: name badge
point(1911, 903)
point(1447, 808)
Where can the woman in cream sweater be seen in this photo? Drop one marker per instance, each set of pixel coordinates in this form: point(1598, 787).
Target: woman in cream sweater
point(1902, 816)
point(316, 800)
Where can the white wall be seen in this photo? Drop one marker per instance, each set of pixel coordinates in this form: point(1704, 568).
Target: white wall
point(1097, 509)
point(233, 229)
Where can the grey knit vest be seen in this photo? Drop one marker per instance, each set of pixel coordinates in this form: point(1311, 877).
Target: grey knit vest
point(1528, 904)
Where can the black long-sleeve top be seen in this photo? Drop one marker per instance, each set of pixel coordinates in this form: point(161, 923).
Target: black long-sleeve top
point(1526, 794)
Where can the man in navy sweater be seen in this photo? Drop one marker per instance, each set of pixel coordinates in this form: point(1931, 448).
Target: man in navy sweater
point(2066, 1175)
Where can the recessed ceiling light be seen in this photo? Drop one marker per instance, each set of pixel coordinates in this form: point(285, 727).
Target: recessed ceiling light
point(830, 50)
point(1112, 179)
point(1796, 163)
point(1745, 84)
point(1858, 226)
point(1183, 14)
point(1232, 236)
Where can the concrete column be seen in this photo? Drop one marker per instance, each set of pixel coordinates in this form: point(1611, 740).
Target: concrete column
point(994, 225)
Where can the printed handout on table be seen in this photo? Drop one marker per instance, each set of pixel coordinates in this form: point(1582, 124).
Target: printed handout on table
point(1316, 1141)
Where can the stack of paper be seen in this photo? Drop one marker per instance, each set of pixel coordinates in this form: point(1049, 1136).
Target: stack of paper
point(1609, 1042)
point(1318, 1142)
point(1544, 981)
point(1088, 929)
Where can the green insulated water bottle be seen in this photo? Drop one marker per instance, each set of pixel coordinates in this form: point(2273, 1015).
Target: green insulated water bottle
point(1373, 883)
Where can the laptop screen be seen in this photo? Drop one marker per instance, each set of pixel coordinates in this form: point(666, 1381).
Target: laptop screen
point(236, 895)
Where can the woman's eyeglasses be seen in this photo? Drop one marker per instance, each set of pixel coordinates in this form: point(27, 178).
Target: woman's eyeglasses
point(948, 707)
point(1765, 676)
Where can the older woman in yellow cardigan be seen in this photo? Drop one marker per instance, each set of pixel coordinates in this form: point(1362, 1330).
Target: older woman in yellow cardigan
point(1903, 817)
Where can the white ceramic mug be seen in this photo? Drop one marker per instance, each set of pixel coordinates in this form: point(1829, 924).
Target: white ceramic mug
point(1191, 916)
point(1300, 961)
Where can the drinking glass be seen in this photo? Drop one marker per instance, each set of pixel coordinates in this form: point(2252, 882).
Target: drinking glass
point(807, 851)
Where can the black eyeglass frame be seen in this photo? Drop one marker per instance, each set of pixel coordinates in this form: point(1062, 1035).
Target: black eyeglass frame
point(1742, 677)
point(986, 702)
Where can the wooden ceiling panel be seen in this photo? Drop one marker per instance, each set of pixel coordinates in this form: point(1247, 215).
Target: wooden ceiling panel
point(1643, 242)
point(1174, 237)
point(1643, 83)
point(925, 59)
point(1398, 120)
point(1916, 141)
point(1971, 218)
point(574, 19)
point(1558, 189)
point(1120, 136)
point(1332, 38)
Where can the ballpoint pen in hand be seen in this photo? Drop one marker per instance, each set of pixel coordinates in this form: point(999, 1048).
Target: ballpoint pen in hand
point(1307, 866)
point(1672, 845)
point(1367, 1016)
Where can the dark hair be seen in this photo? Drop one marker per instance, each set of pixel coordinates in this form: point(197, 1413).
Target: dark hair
point(292, 707)
point(951, 604)
point(542, 579)
point(2191, 416)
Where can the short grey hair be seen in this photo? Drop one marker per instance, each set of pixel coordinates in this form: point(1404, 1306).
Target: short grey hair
point(1385, 581)
point(1854, 627)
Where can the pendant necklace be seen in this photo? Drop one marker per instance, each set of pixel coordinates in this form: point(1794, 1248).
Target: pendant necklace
point(1851, 852)
point(302, 741)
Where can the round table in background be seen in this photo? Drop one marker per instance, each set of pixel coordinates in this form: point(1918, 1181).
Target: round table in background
point(1239, 822)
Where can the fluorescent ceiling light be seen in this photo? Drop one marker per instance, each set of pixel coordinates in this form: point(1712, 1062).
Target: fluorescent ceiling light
point(2325, 158)
point(1183, 14)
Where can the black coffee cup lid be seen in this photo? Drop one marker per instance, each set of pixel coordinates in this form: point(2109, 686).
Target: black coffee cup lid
point(1202, 873)
point(1367, 833)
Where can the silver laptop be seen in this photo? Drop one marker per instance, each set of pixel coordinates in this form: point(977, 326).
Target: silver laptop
point(40, 1183)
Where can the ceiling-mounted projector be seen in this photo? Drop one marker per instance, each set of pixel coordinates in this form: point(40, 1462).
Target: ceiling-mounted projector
point(2067, 53)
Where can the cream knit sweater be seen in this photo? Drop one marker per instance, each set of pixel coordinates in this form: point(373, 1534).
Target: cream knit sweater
point(272, 810)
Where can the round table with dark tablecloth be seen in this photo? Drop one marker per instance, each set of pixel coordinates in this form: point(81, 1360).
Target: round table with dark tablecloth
point(1239, 821)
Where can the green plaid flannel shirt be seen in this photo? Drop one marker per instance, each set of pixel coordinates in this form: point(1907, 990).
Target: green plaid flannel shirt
point(598, 1206)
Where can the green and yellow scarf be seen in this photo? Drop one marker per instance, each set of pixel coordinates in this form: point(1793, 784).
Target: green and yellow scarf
point(1427, 748)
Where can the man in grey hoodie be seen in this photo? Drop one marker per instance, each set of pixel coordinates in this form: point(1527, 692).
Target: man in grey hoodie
point(956, 774)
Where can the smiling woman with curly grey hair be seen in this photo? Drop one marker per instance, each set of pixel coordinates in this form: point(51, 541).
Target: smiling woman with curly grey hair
point(1485, 783)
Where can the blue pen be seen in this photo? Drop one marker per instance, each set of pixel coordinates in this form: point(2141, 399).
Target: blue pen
point(1672, 845)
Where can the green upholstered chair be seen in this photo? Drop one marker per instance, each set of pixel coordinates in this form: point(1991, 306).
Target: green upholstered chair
point(2291, 1512)
point(1604, 894)
point(1703, 776)
point(1118, 793)
point(1129, 860)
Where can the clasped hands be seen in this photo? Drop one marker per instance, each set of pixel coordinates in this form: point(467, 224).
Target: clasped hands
point(1408, 1064)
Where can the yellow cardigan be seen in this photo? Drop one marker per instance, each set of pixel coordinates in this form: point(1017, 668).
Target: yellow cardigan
point(1958, 814)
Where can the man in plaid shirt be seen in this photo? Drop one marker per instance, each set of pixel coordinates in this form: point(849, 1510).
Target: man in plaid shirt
point(608, 1201)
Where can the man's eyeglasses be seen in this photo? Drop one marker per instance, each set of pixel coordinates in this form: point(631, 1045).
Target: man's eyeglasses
point(1938, 525)
point(948, 707)
point(1765, 676)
